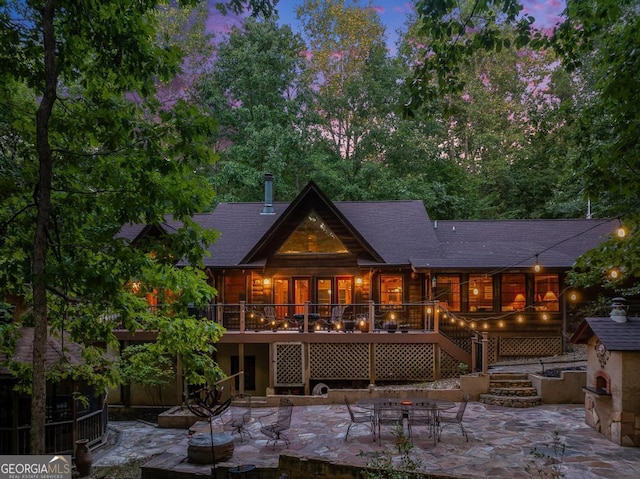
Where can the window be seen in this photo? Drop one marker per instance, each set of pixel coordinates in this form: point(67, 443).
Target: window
point(234, 289)
point(249, 372)
point(546, 292)
point(447, 291)
point(480, 292)
point(390, 289)
point(514, 293)
point(312, 236)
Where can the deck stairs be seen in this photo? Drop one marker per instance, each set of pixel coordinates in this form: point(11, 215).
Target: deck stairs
point(511, 390)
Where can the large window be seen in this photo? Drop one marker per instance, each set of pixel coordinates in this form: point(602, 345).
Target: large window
point(546, 292)
point(480, 293)
point(390, 289)
point(514, 293)
point(312, 236)
point(447, 291)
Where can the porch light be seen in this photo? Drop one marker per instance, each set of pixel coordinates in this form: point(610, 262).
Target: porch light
point(266, 281)
point(536, 266)
point(429, 310)
point(393, 316)
point(358, 281)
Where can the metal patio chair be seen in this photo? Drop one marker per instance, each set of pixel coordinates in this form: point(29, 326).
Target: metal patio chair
point(422, 415)
point(447, 419)
point(359, 417)
point(240, 416)
point(389, 414)
point(276, 430)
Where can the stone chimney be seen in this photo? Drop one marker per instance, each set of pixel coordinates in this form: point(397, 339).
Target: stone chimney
point(267, 209)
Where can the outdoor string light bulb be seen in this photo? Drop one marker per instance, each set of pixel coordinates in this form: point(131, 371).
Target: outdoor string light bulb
point(621, 232)
point(614, 273)
point(536, 266)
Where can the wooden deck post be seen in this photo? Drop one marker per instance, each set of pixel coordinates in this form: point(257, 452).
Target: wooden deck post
point(485, 352)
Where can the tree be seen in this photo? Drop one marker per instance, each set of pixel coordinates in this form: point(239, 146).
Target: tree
point(255, 91)
point(87, 150)
point(597, 43)
point(342, 39)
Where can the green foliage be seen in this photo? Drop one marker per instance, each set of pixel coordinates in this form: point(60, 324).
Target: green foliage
point(384, 466)
point(548, 465)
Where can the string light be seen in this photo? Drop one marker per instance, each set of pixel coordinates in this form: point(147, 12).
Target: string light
point(536, 266)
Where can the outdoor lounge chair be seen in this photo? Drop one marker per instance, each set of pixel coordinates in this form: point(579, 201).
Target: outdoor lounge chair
point(275, 431)
point(446, 419)
point(359, 417)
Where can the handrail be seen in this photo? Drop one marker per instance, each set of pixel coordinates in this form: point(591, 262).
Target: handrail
point(321, 317)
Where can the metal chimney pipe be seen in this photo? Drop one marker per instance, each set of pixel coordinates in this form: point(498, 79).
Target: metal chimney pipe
point(268, 209)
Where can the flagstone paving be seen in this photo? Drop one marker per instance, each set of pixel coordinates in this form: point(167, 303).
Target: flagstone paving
point(500, 443)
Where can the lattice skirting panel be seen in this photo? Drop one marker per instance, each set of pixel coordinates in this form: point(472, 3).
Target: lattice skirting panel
point(404, 362)
point(339, 361)
point(449, 366)
point(288, 364)
point(530, 346)
point(492, 353)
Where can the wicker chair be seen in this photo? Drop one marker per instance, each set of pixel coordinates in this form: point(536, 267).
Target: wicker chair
point(275, 431)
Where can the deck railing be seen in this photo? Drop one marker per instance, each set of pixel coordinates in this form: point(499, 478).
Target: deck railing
point(58, 435)
point(362, 317)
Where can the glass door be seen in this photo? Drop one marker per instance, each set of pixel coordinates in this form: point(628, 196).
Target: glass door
point(281, 297)
point(301, 294)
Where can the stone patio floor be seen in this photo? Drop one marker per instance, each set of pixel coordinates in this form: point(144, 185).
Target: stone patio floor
point(500, 443)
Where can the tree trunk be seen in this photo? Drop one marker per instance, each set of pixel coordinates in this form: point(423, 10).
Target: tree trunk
point(43, 199)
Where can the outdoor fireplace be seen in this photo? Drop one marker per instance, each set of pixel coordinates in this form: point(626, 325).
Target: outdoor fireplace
point(612, 392)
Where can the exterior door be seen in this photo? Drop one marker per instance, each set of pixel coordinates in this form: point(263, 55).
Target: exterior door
point(281, 297)
point(301, 294)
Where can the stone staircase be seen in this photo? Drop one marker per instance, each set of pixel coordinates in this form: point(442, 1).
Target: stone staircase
point(511, 390)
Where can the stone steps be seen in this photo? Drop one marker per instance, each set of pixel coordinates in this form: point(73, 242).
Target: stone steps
point(511, 390)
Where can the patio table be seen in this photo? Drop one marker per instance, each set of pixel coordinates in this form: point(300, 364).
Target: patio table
point(433, 405)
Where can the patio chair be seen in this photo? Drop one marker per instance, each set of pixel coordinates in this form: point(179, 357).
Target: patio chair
point(275, 431)
point(422, 415)
point(336, 320)
point(270, 317)
point(240, 416)
point(390, 414)
point(447, 419)
point(359, 417)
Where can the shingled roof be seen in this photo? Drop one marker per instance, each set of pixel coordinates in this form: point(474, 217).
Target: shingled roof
point(58, 349)
point(399, 233)
point(615, 336)
point(515, 243)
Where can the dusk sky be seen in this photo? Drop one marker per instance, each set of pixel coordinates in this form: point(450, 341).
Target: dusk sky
point(392, 13)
